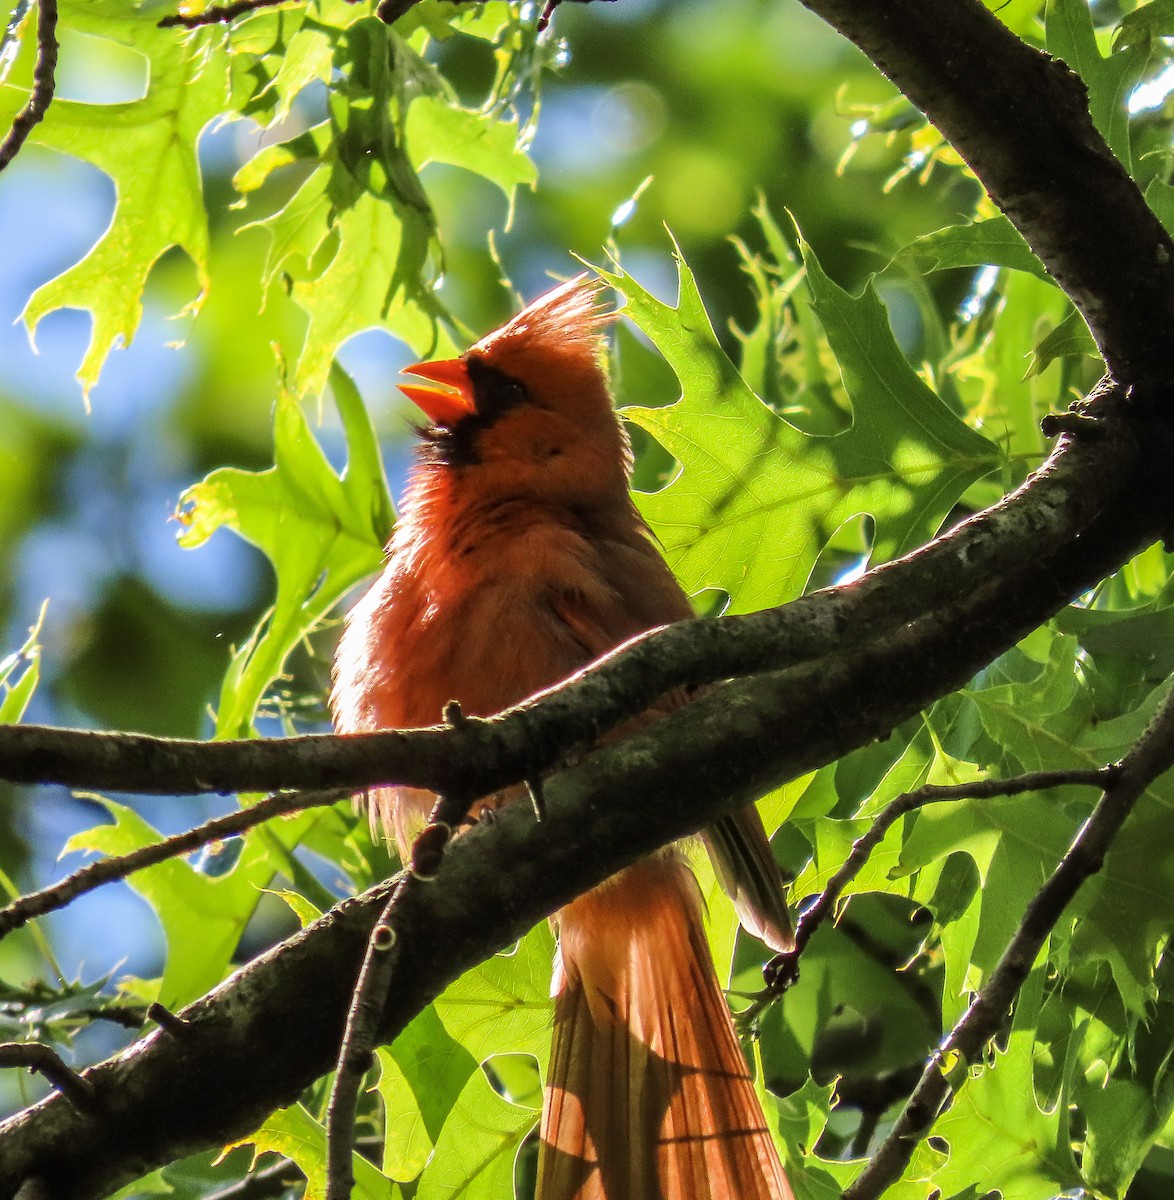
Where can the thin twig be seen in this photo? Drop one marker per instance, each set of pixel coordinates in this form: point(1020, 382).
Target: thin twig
point(1151, 756)
point(373, 984)
point(174, 1024)
point(216, 14)
point(273, 1180)
point(36, 1056)
point(44, 84)
point(129, 1016)
point(106, 870)
point(354, 1056)
point(931, 793)
point(783, 970)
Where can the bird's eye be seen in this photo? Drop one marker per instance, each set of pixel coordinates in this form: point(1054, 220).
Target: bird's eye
point(513, 392)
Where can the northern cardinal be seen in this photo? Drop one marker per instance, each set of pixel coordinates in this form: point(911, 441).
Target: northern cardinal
point(518, 558)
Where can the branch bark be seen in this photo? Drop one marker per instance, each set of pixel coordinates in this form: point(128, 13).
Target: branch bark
point(1152, 756)
point(1020, 119)
point(257, 1040)
point(805, 684)
point(44, 84)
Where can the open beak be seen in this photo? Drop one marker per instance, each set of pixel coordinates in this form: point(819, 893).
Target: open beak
point(449, 403)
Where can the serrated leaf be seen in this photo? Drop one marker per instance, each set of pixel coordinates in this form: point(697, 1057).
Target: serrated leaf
point(478, 141)
point(358, 240)
point(1015, 400)
point(1154, 19)
point(202, 916)
point(356, 292)
point(802, 1115)
point(293, 1133)
point(16, 689)
point(993, 242)
point(1159, 195)
point(1069, 339)
point(323, 533)
point(998, 1134)
point(1070, 36)
point(755, 499)
point(148, 147)
point(800, 1119)
point(305, 911)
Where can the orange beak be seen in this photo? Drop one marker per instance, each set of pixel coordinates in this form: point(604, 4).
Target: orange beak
point(449, 403)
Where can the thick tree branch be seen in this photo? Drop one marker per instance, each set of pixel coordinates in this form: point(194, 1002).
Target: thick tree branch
point(1020, 119)
point(256, 1041)
point(1036, 538)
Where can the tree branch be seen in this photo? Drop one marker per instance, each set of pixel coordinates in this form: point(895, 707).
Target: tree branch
point(106, 870)
point(215, 14)
point(46, 1061)
point(783, 970)
point(1151, 757)
point(1088, 509)
point(44, 84)
point(261, 1037)
point(361, 1035)
point(359, 1039)
point(1020, 119)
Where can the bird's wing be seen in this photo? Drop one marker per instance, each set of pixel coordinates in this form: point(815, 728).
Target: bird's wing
point(749, 875)
point(737, 844)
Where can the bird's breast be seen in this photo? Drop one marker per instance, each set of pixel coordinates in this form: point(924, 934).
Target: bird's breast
point(475, 612)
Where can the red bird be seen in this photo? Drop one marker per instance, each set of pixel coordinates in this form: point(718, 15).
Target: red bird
point(518, 558)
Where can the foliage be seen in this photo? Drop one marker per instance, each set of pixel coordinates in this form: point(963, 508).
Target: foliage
point(825, 430)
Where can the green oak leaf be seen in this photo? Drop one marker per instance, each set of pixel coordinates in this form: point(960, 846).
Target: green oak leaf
point(1070, 339)
point(992, 242)
point(295, 1134)
point(20, 672)
point(353, 294)
point(503, 1006)
point(474, 1158)
point(755, 499)
point(357, 242)
point(998, 1133)
point(1071, 36)
point(322, 532)
point(1150, 21)
point(475, 139)
point(202, 915)
point(500, 1010)
point(148, 147)
point(421, 1077)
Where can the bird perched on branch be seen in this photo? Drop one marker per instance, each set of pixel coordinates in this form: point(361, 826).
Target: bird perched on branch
point(519, 557)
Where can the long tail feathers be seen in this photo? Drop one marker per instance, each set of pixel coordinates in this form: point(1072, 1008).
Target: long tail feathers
point(649, 1097)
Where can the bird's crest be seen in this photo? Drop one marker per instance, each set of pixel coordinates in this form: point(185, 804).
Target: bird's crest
point(570, 316)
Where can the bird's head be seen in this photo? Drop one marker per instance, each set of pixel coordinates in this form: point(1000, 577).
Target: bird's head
point(527, 409)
